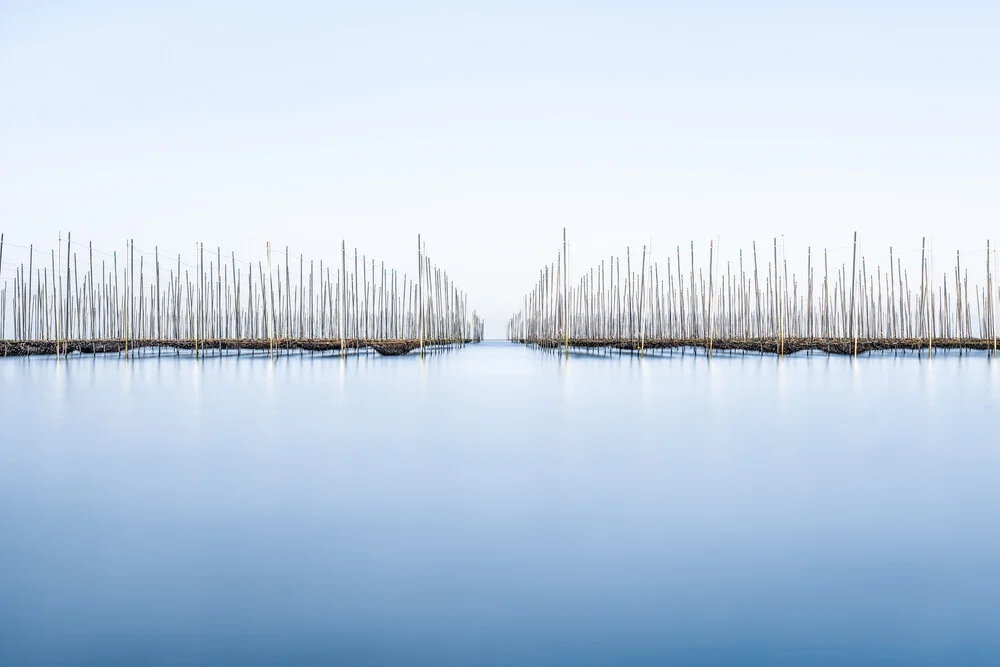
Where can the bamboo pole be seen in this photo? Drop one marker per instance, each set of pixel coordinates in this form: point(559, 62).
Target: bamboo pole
point(851, 324)
point(711, 294)
point(270, 310)
point(565, 293)
point(341, 314)
point(991, 296)
point(420, 291)
point(642, 312)
point(55, 295)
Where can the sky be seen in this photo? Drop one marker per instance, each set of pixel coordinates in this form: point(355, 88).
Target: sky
point(489, 127)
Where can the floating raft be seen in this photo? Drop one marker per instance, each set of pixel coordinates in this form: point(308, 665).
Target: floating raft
point(392, 347)
point(769, 345)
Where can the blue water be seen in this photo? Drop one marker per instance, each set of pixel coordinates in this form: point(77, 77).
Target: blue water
point(498, 505)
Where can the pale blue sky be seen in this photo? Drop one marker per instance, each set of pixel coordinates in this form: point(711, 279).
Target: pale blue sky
point(489, 127)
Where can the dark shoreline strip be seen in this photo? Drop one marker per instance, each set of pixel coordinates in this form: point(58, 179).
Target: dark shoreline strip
point(17, 348)
point(770, 345)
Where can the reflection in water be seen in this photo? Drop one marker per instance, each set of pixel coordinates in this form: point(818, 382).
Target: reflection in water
point(499, 505)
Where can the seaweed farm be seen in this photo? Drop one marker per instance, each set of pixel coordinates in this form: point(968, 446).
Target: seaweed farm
point(75, 298)
point(750, 301)
point(542, 334)
point(276, 477)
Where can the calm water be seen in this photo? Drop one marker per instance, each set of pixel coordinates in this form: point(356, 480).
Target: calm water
point(500, 506)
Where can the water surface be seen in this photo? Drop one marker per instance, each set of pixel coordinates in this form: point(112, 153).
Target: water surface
point(498, 505)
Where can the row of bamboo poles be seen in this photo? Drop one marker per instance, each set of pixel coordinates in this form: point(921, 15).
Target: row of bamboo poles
point(66, 299)
point(859, 305)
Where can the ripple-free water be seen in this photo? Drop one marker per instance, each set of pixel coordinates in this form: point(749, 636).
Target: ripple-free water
point(497, 505)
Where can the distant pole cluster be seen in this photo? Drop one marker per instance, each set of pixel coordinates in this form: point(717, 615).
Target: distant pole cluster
point(753, 302)
point(68, 300)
